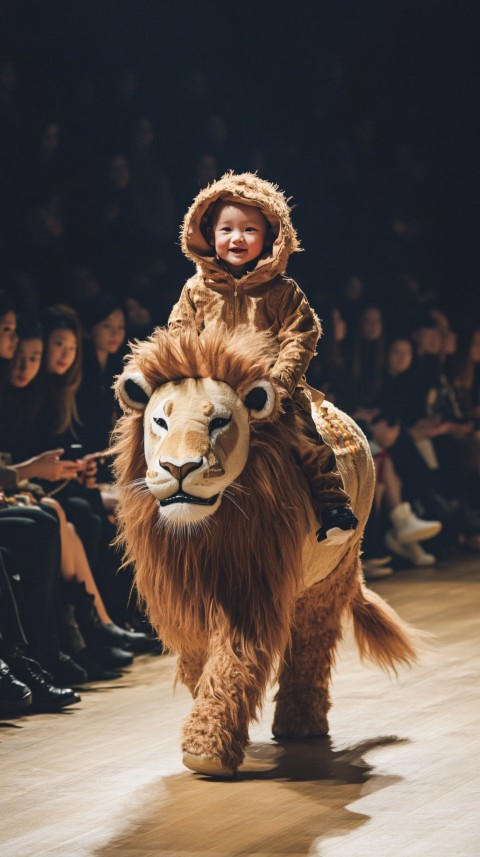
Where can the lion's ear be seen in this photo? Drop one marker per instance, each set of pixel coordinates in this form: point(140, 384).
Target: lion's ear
point(133, 391)
point(259, 398)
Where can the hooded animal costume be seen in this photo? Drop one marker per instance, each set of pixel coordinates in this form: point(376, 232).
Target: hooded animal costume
point(265, 298)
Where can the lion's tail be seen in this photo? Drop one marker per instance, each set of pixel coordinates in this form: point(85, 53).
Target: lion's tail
point(380, 634)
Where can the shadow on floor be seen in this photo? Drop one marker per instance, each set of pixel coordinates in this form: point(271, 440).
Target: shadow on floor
point(287, 797)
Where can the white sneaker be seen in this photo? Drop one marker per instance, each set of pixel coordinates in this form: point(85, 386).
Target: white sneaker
point(408, 528)
point(375, 561)
point(413, 551)
point(373, 571)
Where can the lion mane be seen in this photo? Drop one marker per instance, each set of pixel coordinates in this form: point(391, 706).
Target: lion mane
point(242, 567)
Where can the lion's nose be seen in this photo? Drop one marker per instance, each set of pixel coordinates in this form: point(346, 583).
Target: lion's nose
point(180, 469)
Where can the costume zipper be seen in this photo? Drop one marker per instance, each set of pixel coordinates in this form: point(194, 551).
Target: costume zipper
point(235, 296)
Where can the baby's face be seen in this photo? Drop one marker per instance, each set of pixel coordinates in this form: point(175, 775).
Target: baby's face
point(239, 234)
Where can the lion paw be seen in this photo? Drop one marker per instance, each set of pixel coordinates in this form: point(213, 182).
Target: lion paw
point(210, 744)
point(203, 765)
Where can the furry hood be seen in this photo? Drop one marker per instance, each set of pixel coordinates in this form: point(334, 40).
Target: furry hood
point(247, 189)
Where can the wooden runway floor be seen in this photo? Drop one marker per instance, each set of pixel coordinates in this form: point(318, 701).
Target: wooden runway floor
point(398, 776)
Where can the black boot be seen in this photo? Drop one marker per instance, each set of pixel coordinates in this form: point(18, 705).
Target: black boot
point(70, 635)
point(65, 670)
point(95, 670)
point(15, 696)
point(111, 657)
point(108, 634)
point(62, 666)
point(46, 696)
point(73, 640)
point(98, 633)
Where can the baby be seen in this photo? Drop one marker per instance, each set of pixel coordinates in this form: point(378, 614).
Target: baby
point(239, 233)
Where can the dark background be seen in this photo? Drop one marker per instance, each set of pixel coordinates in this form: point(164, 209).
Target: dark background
point(364, 112)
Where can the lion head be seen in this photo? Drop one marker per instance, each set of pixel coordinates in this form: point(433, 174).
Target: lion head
point(196, 441)
point(197, 428)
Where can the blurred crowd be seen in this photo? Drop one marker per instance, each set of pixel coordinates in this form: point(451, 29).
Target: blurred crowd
point(95, 178)
point(414, 387)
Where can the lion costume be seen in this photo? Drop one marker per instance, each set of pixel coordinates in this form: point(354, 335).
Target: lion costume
point(216, 518)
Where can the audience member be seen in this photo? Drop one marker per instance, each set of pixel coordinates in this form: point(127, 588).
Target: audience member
point(367, 355)
point(407, 529)
point(104, 325)
point(8, 332)
point(328, 371)
point(467, 375)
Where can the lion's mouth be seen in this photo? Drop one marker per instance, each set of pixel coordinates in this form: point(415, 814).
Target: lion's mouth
point(182, 497)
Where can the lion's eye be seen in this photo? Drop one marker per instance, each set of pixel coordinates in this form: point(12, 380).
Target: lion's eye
point(218, 422)
point(160, 422)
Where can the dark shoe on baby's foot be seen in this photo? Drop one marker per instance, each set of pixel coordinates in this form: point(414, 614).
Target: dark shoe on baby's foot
point(15, 696)
point(338, 525)
point(46, 696)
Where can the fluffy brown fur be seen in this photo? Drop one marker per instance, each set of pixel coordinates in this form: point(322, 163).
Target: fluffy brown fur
point(251, 583)
point(228, 596)
point(303, 697)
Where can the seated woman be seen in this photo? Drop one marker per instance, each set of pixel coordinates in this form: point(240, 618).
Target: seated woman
point(366, 362)
point(72, 426)
point(20, 398)
point(328, 370)
point(103, 321)
point(62, 375)
point(407, 530)
point(8, 332)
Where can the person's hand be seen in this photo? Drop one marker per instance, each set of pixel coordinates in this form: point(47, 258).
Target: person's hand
point(459, 430)
point(88, 474)
point(440, 427)
point(427, 428)
point(51, 467)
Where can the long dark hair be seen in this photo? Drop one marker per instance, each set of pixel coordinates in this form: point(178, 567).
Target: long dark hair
point(367, 361)
point(21, 408)
point(63, 388)
point(7, 304)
